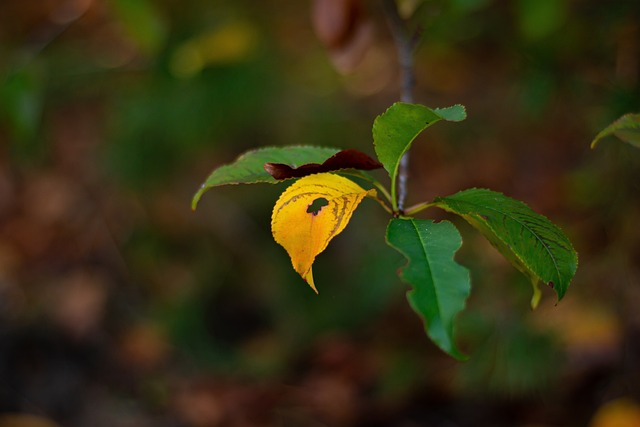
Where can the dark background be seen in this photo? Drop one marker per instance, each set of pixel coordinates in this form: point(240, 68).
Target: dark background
point(119, 306)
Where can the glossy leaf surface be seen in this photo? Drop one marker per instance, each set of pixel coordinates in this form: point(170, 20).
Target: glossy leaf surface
point(532, 243)
point(396, 128)
point(440, 285)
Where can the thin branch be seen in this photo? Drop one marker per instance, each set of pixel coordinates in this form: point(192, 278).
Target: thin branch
point(405, 45)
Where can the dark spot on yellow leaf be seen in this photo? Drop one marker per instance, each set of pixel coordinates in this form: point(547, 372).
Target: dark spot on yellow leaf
point(316, 206)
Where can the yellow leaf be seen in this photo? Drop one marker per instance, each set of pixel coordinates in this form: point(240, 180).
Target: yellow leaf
point(310, 213)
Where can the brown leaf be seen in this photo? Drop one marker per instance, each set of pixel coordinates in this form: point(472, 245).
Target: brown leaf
point(347, 57)
point(345, 159)
point(344, 29)
point(334, 20)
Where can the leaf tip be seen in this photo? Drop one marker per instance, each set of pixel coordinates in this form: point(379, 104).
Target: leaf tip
point(537, 295)
point(197, 196)
point(455, 113)
point(309, 279)
point(460, 357)
point(269, 168)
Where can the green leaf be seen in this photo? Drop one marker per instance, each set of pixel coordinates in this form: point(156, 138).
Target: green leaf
point(395, 129)
point(532, 243)
point(627, 128)
point(440, 285)
point(249, 167)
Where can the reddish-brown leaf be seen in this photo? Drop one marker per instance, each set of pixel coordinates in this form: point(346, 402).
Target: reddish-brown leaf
point(333, 20)
point(345, 159)
point(349, 55)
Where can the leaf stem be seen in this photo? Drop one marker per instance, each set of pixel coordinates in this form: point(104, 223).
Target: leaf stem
point(383, 191)
point(394, 198)
point(383, 204)
point(405, 46)
point(381, 188)
point(412, 210)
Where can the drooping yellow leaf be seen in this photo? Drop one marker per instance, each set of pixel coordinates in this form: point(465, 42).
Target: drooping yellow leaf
point(310, 213)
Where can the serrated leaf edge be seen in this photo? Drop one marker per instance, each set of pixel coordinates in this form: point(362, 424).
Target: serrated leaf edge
point(526, 264)
point(270, 180)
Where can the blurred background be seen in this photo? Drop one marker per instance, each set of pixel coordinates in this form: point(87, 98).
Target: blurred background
point(119, 306)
